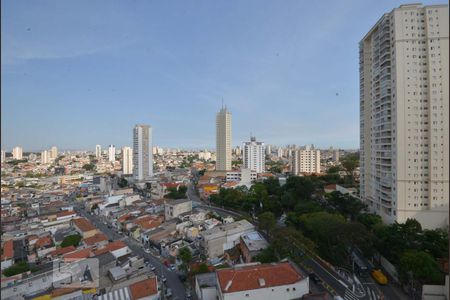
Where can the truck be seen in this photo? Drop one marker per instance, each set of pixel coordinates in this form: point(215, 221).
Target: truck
point(379, 276)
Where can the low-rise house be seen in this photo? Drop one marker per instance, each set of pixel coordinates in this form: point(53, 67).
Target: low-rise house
point(252, 244)
point(262, 281)
point(215, 241)
point(84, 227)
point(98, 240)
point(7, 258)
point(117, 248)
point(205, 286)
point(155, 206)
point(147, 289)
point(66, 214)
point(61, 251)
point(174, 208)
point(44, 245)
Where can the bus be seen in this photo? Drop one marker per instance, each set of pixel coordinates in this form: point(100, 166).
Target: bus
point(359, 266)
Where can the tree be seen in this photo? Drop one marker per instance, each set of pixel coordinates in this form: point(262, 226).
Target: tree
point(185, 255)
point(17, 268)
point(333, 170)
point(350, 163)
point(71, 240)
point(267, 255)
point(175, 193)
point(369, 220)
point(267, 221)
point(435, 242)
point(122, 182)
point(421, 266)
point(272, 185)
point(89, 167)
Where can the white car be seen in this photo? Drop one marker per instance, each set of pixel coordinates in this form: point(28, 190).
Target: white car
point(146, 250)
point(163, 278)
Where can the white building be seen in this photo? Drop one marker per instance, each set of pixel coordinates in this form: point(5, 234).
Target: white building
point(280, 152)
point(127, 160)
point(142, 154)
point(336, 155)
point(262, 281)
point(17, 152)
point(53, 152)
point(305, 160)
point(206, 155)
point(44, 157)
point(243, 175)
point(174, 208)
point(404, 115)
point(254, 155)
point(223, 140)
point(3, 156)
point(111, 153)
point(268, 150)
point(98, 151)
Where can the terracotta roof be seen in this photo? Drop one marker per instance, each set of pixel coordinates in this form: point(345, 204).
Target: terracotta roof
point(83, 224)
point(148, 222)
point(230, 184)
point(97, 238)
point(124, 217)
point(257, 276)
point(64, 250)
point(44, 241)
point(84, 253)
point(330, 187)
point(144, 288)
point(65, 213)
point(110, 247)
point(8, 249)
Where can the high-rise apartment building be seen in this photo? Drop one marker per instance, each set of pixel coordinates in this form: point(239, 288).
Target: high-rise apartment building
point(268, 150)
point(112, 153)
point(305, 160)
point(335, 155)
point(98, 151)
point(127, 160)
point(223, 140)
point(142, 152)
point(404, 115)
point(53, 152)
point(45, 157)
point(3, 156)
point(17, 152)
point(254, 156)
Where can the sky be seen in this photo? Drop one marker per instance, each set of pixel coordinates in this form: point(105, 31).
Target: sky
point(79, 73)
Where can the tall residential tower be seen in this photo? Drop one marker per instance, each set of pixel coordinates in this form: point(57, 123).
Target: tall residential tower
point(142, 152)
point(223, 140)
point(404, 115)
point(127, 160)
point(254, 155)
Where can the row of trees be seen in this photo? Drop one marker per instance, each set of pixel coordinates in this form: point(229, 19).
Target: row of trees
point(333, 223)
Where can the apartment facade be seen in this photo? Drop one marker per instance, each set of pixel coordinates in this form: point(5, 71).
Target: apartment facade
point(404, 115)
point(223, 140)
point(98, 151)
point(127, 161)
point(142, 152)
point(17, 152)
point(254, 156)
point(111, 153)
point(305, 160)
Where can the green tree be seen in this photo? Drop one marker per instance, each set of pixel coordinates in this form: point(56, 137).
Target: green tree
point(272, 185)
point(71, 240)
point(267, 221)
point(89, 167)
point(17, 268)
point(421, 266)
point(122, 182)
point(185, 255)
point(333, 170)
point(267, 255)
point(435, 242)
point(350, 163)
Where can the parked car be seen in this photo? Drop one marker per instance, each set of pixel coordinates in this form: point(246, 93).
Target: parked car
point(169, 292)
point(163, 278)
point(315, 278)
point(146, 250)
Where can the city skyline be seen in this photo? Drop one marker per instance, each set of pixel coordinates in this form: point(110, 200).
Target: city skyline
point(255, 60)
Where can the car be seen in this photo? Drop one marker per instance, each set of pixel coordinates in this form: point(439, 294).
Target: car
point(169, 292)
point(315, 278)
point(173, 268)
point(163, 278)
point(146, 250)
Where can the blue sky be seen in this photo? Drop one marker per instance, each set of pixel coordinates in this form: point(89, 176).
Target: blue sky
point(79, 73)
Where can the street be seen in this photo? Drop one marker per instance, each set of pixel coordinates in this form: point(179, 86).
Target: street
point(172, 282)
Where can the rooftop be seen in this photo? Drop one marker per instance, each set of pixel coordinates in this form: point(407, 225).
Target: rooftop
point(83, 224)
point(256, 276)
point(254, 241)
point(144, 288)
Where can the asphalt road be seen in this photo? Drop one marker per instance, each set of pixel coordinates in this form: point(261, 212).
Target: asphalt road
point(173, 282)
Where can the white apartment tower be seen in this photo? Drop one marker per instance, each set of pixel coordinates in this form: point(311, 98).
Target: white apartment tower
point(98, 151)
point(142, 152)
point(112, 153)
point(17, 152)
point(127, 160)
point(3, 156)
point(254, 156)
point(223, 140)
point(305, 160)
point(53, 152)
point(404, 115)
point(45, 157)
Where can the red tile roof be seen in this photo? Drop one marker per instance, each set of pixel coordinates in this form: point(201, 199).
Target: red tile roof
point(65, 213)
point(148, 222)
point(44, 241)
point(84, 253)
point(250, 277)
point(83, 224)
point(144, 288)
point(64, 250)
point(110, 247)
point(8, 249)
point(97, 238)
